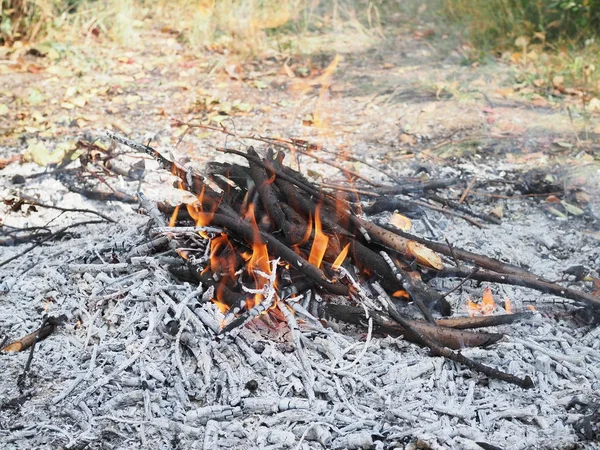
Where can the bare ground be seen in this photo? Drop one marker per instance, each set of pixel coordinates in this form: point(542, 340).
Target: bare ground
point(404, 103)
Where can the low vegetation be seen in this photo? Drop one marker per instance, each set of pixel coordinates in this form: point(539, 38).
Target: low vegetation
point(554, 42)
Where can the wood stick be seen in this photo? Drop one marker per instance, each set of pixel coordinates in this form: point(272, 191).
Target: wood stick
point(452, 338)
point(275, 247)
point(267, 195)
point(47, 238)
point(418, 187)
point(464, 255)
point(440, 350)
point(528, 281)
point(464, 323)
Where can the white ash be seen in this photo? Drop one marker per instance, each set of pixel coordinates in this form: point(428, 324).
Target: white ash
point(125, 378)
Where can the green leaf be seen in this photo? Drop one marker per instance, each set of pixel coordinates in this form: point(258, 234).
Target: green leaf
point(572, 209)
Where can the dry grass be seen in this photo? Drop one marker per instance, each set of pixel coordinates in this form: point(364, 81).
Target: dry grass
point(238, 26)
point(25, 20)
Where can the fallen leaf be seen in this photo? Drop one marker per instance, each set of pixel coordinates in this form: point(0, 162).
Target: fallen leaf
point(234, 71)
point(558, 81)
point(130, 99)
point(522, 41)
point(79, 101)
point(498, 211)
point(593, 105)
point(6, 162)
point(260, 85)
point(572, 209)
point(314, 174)
point(34, 68)
point(563, 144)
point(583, 197)
point(71, 91)
point(3, 109)
point(38, 153)
point(557, 213)
point(407, 139)
point(288, 71)
point(538, 100)
point(35, 97)
point(505, 92)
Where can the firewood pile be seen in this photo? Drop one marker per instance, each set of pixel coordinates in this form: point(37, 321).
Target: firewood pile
point(271, 277)
point(271, 245)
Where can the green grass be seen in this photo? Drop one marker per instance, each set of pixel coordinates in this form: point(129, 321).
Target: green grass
point(543, 39)
point(494, 24)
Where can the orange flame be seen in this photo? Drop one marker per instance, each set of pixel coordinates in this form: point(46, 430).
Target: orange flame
point(341, 257)
point(486, 307)
point(197, 211)
point(260, 254)
point(320, 241)
point(305, 237)
point(218, 299)
point(173, 219)
point(182, 254)
point(507, 305)
point(222, 256)
point(400, 294)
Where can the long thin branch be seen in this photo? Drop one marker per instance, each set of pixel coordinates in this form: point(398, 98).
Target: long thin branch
point(439, 350)
point(60, 208)
point(464, 255)
point(525, 281)
point(270, 141)
point(47, 238)
point(275, 247)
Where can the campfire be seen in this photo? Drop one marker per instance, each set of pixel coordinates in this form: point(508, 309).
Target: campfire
point(272, 246)
point(309, 313)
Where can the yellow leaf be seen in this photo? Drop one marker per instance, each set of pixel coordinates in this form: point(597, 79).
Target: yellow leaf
point(67, 105)
point(522, 41)
point(407, 139)
point(3, 109)
point(558, 81)
point(505, 92)
point(71, 91)
point(498, 211)
point(37, 152)
point(79, 101)
point(132, 99)
point(593, 105)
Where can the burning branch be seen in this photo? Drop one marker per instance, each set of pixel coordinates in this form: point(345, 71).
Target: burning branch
point(282, 236)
